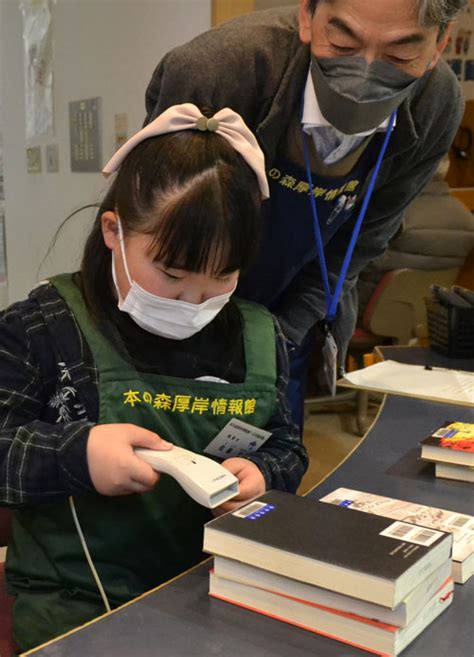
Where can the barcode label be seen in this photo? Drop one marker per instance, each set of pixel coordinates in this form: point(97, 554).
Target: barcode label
point(411, 533)
point(338, 502)
point(401, 531)
point(249, 509)
point(458, 521)
point(424, 537)
point(445, 432)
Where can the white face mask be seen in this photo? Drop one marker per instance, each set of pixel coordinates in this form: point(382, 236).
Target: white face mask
point(169, 318)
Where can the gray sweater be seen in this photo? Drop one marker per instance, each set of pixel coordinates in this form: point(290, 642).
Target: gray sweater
point(257, 65)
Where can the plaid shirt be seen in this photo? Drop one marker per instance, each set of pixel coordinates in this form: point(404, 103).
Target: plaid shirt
point(49, 402)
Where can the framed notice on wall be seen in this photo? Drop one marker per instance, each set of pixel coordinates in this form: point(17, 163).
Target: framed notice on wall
point(85, 133)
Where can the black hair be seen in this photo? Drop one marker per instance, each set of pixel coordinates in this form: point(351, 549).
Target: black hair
point(430, 12)
point(193, 194)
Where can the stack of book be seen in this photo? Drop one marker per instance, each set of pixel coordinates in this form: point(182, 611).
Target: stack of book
point(352, 576)
point(451, 447)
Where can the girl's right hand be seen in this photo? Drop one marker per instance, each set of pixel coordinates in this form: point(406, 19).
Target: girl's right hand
point(113, 466)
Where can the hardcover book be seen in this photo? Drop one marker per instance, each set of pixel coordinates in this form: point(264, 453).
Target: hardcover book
point(460, 525)
point(370, 635)
point(350, 552)
point(451, 443)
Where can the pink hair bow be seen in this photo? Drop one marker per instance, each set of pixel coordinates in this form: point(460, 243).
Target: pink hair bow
point(187, 116)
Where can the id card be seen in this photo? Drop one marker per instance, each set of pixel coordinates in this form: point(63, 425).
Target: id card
point(237, 438)
point(329, 352)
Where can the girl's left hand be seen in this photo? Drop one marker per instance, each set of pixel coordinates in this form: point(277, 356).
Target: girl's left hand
point(251, 484)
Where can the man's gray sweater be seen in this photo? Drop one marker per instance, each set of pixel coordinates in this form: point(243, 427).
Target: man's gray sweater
point(257, 65)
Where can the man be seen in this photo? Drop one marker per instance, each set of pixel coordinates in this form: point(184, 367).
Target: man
point(320, 88)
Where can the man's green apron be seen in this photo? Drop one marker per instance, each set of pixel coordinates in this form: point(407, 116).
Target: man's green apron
point(136, 541)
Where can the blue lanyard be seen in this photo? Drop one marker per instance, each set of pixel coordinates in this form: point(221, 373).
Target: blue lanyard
point(333, 300)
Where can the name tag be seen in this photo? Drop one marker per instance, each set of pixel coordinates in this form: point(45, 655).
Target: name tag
point(237, 438)
point(330, 362)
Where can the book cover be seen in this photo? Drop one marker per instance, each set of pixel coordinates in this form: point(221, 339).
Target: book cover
point(360, 632)
point(460, 525)
point(355, 553)
point(453, 442)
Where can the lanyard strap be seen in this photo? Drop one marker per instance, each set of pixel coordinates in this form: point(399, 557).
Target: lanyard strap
point(333, 300)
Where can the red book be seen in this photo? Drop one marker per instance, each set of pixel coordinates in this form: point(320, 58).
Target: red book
point(371, 635)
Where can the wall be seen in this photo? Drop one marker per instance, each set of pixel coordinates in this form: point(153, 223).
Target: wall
point(269, 4)
point(105, 48)
point(3, 288)
point(224, 10)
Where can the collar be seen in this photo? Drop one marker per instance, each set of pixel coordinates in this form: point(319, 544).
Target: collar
point(313, 117)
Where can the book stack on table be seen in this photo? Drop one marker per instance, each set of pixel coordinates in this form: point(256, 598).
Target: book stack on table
point(451, 447)
point(355, 577)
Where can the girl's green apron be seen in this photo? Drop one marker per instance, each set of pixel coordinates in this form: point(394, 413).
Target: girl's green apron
point(136, 541)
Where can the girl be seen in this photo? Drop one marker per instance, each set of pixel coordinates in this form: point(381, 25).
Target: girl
point(141, 347)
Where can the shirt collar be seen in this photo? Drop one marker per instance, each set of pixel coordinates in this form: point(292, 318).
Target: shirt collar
point(313, 117)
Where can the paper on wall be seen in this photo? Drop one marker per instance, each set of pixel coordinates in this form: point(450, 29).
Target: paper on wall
point(3, 249)
point(38, 63)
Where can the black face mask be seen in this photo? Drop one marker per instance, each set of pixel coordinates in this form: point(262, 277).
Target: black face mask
point(355, 96)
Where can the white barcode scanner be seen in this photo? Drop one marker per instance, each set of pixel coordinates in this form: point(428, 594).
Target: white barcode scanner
point(205, 480)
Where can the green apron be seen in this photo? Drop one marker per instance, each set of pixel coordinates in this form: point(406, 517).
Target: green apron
point(136, 541)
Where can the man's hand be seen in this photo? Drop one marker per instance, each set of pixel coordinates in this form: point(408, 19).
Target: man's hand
point(113, 466)
point(251, 484)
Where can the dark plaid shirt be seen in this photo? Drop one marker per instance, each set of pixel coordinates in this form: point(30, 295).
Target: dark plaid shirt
point(49, 402)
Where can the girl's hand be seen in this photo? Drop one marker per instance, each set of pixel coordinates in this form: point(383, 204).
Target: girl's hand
point(251, 484)
point(113, 466)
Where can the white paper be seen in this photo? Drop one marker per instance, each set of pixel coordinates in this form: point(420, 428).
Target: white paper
point(414, 380)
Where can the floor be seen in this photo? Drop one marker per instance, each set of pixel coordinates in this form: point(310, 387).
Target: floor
point(330, 434)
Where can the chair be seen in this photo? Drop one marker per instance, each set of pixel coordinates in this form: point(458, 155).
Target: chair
point(465, 278)
point(7, 645)
point(395, 314)
point(397, 307)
